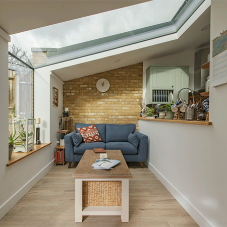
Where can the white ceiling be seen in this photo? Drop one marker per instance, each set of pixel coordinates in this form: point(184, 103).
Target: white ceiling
point(22, 15)
point(193, 38)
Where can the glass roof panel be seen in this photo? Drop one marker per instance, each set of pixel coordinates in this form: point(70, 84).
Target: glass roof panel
point(66, 40)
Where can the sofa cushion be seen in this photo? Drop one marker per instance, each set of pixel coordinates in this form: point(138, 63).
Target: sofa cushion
point(77, 138)
point(119, 133)
point(90, 134)
point(100, 127)
point(133, 139)
point(88, 146)
point(125, 147)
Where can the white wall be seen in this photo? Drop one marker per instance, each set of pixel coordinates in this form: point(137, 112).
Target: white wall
point(55, 112)
point(43, 108)
point(18, 179)
point(4, 104)
point(190, 160)
point(185, 58)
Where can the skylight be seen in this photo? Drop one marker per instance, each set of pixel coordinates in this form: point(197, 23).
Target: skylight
point(112, 29)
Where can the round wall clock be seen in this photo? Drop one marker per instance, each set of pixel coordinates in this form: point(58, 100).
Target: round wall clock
point(103, 85)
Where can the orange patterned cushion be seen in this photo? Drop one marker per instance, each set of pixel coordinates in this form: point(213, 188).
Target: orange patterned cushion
point(90, 134)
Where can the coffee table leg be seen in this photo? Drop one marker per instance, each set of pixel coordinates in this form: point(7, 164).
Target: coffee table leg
point(78, 200)
point(125, 201)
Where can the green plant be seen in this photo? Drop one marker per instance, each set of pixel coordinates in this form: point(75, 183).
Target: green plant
point(13, 140)
point(23, 134)
point(149, 112)
point(166, 107)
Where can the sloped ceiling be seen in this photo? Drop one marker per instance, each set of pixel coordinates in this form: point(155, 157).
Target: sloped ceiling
point(193, 38)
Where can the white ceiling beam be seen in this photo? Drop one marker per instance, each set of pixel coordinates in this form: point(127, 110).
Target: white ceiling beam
point(4, 35)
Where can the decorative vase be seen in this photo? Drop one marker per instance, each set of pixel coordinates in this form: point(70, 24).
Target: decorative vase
point(10, 151)
point(169, 115)
point(162, 115)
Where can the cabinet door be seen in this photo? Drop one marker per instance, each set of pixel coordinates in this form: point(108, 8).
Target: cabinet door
point(182, 81)
point(148, 87)
point(163, 77)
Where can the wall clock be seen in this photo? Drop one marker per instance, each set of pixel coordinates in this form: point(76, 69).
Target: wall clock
point(103, 85)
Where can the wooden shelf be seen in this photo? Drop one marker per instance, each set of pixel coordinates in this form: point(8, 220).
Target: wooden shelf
point(60, 147)
point(205, 93)
point(17, 156)
point(179, 121)
point(206, 65)
point(63, 131)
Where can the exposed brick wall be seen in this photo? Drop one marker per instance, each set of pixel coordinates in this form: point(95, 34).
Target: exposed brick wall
point(121, 104)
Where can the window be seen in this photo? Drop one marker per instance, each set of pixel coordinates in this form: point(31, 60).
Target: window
point(105, 31)
point(20, 75)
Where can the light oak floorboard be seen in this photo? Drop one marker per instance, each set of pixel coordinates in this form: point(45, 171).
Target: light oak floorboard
point(50, 203)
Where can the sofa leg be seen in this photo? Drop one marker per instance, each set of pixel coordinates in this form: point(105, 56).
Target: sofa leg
point(141, 163)
point(69, 165)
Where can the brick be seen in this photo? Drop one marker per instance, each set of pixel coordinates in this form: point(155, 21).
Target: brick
point(119, 105)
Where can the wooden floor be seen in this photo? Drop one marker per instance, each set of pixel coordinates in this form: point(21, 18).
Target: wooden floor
point(51, 203)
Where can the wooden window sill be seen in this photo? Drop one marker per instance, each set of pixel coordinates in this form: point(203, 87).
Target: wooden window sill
point(179, 121)
point(17, 156)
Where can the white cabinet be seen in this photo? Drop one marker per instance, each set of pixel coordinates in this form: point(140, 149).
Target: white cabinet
point(161, 81)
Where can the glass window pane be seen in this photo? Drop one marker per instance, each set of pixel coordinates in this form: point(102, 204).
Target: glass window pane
point(20, 92)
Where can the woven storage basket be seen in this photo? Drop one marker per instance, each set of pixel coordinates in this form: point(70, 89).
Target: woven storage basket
point(102, 193)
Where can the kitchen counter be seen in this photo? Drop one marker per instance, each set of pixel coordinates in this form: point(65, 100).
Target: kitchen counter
point(178, 121)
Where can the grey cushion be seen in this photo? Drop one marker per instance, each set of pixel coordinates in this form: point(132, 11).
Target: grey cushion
point(119, 133)
point(133, 139)
point(88, 146)
point(100, 127)
point(77, 139)
point(125, 147)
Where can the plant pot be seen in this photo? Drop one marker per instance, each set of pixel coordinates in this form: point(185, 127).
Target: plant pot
point(162, 115)
point(169, 115)
point(10, 151)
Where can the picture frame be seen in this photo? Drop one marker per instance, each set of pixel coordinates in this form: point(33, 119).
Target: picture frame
point(55, 96)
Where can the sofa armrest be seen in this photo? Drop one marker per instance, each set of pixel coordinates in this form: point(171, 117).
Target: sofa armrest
point(69, 147)
point(143, 146)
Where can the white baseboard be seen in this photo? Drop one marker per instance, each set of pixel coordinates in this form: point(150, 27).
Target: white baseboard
point(193, 212)
point(7, 206)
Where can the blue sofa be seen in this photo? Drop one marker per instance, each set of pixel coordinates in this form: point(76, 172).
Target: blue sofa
point(114, 137)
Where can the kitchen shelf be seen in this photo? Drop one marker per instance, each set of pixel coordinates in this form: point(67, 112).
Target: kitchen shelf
point(63, 131)
point(205, 93)
point(206, 65)
point(178, 121)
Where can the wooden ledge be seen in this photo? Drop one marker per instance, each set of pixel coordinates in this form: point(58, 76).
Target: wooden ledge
point(179, 121)
point(17, 156)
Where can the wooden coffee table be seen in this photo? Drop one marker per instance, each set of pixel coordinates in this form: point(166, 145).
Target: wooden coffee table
point(101, 192)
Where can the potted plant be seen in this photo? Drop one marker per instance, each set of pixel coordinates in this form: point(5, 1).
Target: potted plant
point(150, 112)
point(167, 109)
point(13, 141)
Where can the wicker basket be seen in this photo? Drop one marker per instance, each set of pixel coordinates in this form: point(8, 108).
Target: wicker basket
point(102, 193)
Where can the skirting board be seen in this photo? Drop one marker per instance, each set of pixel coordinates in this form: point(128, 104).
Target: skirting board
point(193, 212)
point(7, 206)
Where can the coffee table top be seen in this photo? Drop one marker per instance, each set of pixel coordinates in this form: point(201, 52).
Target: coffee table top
point(85, 169)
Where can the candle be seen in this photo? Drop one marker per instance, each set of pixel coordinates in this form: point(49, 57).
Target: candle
point(38, 120)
